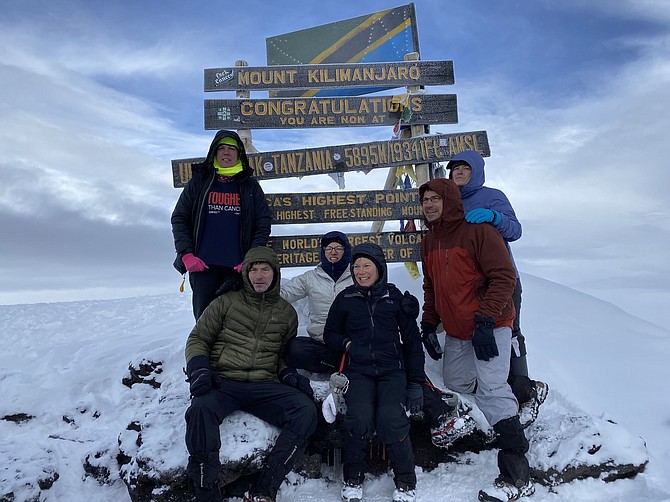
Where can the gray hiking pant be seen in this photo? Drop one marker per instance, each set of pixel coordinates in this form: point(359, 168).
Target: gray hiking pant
point(487, 380)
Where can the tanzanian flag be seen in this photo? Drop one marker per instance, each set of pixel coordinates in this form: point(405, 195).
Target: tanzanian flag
point(383, 36)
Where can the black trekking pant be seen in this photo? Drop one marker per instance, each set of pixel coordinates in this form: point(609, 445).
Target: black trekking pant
point(308, 354)
point(512, 462)
point(275, 403)
point(205, 284)
point(522, 386)
point(376, 404)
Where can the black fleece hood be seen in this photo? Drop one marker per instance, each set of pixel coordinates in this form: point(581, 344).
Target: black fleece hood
point(374, 253)
point(223, 133)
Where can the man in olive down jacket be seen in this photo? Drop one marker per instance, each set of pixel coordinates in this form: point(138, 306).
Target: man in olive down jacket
point(235, 359)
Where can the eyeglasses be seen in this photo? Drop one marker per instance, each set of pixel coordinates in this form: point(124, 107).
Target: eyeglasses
point(334, 249)
point(433, 199)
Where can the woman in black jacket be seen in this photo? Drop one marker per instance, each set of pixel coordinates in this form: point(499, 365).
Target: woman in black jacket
point(220, 215)
point(384, 365)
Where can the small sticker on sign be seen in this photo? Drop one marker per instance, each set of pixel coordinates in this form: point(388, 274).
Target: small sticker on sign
point(223, 76)
point(268, 166)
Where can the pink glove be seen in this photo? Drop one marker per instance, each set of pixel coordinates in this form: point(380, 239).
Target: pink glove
point(193, 263)
point(238, 268)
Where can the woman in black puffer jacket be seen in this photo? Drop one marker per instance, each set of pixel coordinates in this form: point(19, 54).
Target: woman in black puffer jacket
point(384, 364)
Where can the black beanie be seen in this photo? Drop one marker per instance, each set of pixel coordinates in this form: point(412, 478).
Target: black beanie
point(335, 238)
point(455, 163)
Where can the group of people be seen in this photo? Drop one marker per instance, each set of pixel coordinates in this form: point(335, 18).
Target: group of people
point(244, 353)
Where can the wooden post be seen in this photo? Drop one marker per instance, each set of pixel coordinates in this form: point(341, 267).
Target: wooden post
point(245, 134)
point(422, 170)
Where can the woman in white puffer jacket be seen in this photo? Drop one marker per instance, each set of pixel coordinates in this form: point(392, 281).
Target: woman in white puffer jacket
point(320, 286)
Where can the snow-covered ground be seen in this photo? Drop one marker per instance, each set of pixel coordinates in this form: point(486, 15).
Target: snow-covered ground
point(62, 363)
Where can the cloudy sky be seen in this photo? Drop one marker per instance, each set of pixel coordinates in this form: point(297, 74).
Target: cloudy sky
point(97, 98)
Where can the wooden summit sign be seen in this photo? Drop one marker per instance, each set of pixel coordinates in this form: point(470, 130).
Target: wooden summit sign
point(359, 111)
point(304, 250)
point(318, 76)
point(376, 205)
point(353, 157)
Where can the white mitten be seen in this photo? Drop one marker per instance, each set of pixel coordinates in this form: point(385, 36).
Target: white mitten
point(328, 409)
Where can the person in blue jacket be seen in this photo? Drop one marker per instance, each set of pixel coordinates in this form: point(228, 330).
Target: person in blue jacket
point(486, 205)
point(384, 365)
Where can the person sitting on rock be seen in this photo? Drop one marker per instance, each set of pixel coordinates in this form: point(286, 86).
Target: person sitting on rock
point(235, 360)
point(384, 365)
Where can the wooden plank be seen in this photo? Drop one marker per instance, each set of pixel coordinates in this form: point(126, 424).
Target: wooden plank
point(352, 157)
point(334, 75)
point(341, 206)
point(303, 250)
point(343, 111)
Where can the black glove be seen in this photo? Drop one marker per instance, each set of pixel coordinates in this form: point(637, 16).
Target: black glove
point(201, 378)
point(232, 283)
point(483, 340)
point(414, 402)
point(430, 341)
point(292, 378)
point(201, 382)
point(410, 305)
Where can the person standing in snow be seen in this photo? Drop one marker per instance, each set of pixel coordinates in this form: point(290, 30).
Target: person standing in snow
point(485, 205)
point(468, 283)
point(384, 365)
point(221, 214)
point(235, 360)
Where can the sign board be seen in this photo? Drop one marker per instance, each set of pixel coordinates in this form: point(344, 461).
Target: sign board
point(346, 111)
point(290, 208)
point(394, 74)
point(352, 157)
point(304, 250)
point(385, 35)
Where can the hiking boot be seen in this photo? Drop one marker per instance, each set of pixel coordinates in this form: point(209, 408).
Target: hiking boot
point(248, 497)
point(352, 492)
point(404, 495)
point(502, 491)
point(529, 410)
point(451, 428)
